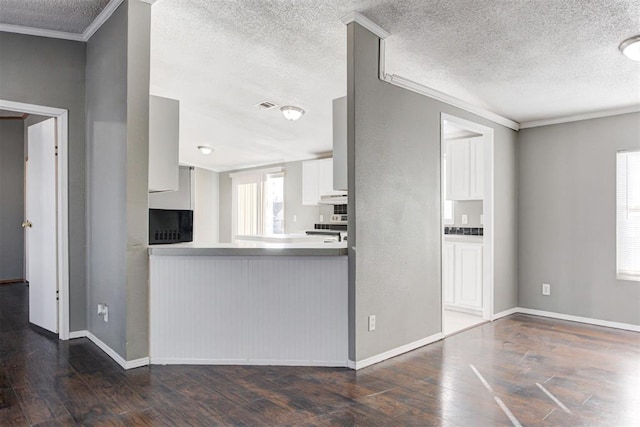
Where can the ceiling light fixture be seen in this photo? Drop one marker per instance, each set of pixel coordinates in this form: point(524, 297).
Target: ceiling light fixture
point(205, 149)
point(631, 48)
point(291, 113)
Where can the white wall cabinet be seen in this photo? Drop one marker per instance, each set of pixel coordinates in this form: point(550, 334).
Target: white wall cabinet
point(317, 180)
point(164, 134)
point(182, 199)
point(462, 275)
point(465, 169)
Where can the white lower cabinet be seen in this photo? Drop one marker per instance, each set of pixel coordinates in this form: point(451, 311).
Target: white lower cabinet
point(462, 275)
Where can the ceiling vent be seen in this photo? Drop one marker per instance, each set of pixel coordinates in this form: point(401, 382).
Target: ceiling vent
point(266, 105)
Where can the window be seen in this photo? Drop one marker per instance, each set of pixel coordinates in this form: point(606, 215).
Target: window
point(258, 202)
point(628, 215)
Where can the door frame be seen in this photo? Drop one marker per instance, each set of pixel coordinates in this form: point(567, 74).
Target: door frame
point(487, 212)
point(62, 129)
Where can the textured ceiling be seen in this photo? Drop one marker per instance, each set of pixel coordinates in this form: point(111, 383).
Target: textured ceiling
point(526, 60)
point(71, 16)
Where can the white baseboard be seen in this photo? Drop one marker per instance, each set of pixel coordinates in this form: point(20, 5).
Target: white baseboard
point(589, 320)
point(394, 352)
point(258, 362)
point(505, 313)
point(126, 364)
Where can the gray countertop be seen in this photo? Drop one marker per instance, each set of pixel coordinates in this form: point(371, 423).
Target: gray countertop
point(250, 248)
point(463, 238)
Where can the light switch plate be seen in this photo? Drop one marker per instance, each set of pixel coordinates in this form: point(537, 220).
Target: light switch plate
point(372, 323)
point(546, 289)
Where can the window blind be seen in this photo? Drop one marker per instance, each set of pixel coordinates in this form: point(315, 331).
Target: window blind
point(628, 215)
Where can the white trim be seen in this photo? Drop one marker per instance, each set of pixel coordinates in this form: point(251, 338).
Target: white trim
point(247, 362)
point(366, 23)
point(126, 364)
point(394, 352)
point(101, 19)
point(77, 334)
point(448, 99)
point(583, 116)
point(62, 129)
point(504, 313)
point(19, 29)
point(572, 318)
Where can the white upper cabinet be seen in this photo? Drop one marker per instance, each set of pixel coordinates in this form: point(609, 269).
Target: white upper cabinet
point(310, 182)
point(317, 180)
point(465, 169)
point(182, 199)
point(340, 144)
point(164, 133)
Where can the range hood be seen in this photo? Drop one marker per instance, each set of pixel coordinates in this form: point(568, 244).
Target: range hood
point(336, 198)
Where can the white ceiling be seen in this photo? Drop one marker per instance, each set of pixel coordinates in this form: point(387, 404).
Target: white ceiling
point(69, 16)
point(526, 60)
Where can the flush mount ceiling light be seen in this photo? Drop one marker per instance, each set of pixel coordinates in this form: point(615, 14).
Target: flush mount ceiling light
point(291, 113)
point(205, 149)
point(631, 48)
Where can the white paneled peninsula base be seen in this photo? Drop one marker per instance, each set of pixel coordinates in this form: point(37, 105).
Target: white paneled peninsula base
point(249, 304)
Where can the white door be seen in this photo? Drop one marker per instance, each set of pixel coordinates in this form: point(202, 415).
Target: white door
point(40, 225)
point(476, 184)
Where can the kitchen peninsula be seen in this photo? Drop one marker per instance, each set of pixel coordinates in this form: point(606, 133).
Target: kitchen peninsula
point(249, 303)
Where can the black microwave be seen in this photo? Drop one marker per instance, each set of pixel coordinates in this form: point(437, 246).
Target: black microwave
point(170, 226)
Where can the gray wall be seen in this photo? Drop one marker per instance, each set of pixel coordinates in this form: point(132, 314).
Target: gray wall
point(11, 199)
point(394, 150)
point(51, 72)
point(117, 134)
point(567, 218)
point(138, 71)
point(306, 216)
point(107, 178)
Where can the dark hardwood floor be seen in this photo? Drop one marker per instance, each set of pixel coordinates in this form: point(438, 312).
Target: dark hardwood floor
point(542, 371)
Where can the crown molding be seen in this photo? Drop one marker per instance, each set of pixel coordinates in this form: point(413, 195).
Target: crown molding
point(420, 88)
point(18, 29)
point(366, 23)
point(583, 116)
point(101, 19)
point(451, 100)
point(84, 37)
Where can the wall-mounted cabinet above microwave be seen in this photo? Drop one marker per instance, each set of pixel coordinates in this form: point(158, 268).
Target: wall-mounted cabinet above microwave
point(317, 182)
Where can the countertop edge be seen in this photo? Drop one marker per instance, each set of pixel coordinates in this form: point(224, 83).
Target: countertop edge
point(247, 251)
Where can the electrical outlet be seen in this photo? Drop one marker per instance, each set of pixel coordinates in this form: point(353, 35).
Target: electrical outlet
point(295, 218)
point(546, 289)
point(372, 322)
point(465, 219)
point(321, 218)
point(103, 310)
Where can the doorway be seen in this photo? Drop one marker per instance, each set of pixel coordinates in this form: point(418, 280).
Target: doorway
point(58, 313)
point(467, 224)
